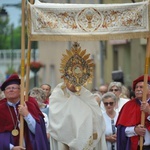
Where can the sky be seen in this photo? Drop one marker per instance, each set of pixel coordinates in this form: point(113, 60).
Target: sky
point(13, 12)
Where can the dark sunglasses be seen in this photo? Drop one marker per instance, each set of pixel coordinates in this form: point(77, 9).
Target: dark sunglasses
point(114, 90)
point(108, 103)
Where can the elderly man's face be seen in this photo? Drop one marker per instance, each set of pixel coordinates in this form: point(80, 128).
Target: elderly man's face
point(139, 90)
point(12, 92)
point(103, 89)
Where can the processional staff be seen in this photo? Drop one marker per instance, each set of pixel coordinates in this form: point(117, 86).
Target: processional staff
point(23, 89)
point(147, 59)
point(22, 71)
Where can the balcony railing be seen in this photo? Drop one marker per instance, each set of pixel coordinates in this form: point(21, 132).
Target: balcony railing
point(9, 59)
point(6, 56)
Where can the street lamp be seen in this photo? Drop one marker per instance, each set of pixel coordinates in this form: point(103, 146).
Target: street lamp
point(3, 19)
point(3, 14)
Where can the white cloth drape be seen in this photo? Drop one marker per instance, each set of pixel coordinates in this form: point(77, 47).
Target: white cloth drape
point(53, 21)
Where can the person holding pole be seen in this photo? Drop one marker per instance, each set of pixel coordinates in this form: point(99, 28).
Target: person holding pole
point(34, 137)
point(129, 127)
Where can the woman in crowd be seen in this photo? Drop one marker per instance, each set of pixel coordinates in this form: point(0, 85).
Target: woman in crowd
point(40, 96)
point(117, 89)
point(109, 99)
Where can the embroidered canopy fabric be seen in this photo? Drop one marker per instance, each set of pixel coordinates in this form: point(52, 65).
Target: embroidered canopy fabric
point(74, 22)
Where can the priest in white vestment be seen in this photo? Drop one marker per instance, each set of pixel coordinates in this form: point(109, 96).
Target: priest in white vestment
point(76, 121)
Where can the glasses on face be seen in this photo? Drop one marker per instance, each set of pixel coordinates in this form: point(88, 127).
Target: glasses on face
point(11, 88)
point(108, 103)
point(115, 90)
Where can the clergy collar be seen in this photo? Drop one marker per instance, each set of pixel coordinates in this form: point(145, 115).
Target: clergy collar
point(12, 104)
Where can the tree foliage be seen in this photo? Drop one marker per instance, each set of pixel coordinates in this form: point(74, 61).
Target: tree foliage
point(10, 37)
point(4, 33)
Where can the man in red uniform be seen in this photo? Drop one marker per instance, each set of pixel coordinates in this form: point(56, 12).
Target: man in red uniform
point(129, 128)
point(10, 110)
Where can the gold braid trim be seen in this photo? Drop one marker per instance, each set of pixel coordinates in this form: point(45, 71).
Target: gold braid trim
point(88, 37)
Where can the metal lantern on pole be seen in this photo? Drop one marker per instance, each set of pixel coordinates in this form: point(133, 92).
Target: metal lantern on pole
point(3, 14)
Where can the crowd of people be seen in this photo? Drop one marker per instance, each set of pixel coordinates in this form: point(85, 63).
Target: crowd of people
point(71, 117)
point(112, 117)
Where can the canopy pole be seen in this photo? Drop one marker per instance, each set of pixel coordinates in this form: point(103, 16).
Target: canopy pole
point(28, 69)
point(147, 59)
point(28, 62)
point(22, 71)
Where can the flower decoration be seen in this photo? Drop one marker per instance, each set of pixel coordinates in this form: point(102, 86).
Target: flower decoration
point(35, 66)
